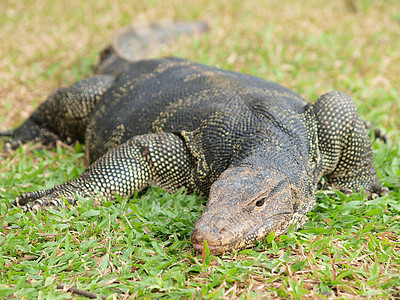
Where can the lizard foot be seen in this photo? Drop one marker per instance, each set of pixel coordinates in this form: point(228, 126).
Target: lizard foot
point(383, 191)
point(28, 132)
point(378, 133)
point(53, 197)
point(34, 201)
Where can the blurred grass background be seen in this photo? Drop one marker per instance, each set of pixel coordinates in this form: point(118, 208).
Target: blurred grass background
point(347, 250)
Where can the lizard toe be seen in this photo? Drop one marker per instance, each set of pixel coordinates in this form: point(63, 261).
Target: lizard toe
point(28, 197)
point(384, 191)
point(379, 191)
point(48, 201)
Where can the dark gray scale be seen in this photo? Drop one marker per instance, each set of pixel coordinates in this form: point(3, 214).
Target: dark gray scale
point(174, 95)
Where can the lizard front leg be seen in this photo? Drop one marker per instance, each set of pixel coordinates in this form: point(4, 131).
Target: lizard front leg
point(63, 115)
point(160, 158)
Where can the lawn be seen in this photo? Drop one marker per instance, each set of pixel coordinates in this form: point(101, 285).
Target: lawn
point(140, 247)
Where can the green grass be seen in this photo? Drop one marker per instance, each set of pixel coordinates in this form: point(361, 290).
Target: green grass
point(141, 247)
point(349, 248)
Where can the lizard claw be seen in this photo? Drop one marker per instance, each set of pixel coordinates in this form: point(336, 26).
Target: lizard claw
point(27, 203)
point(380, 192)
point(54, 197)
point(33, 201)
point(384, 191)
point(347, 192)
point(374, 196)
point(24, 199)
point(27, 132)
point(378, 133)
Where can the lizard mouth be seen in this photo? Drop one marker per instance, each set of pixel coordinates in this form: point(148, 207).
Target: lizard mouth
point(246, 240)
point(213, 249)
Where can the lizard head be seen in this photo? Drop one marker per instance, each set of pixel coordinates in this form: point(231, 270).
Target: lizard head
point(244, 206)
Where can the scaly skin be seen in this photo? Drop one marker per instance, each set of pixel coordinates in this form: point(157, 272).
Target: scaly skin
point(256, 149)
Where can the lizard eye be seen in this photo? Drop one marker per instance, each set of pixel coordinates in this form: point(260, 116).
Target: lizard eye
point(260, 202)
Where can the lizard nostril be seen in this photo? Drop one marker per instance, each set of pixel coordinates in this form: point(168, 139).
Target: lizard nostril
point(223, 230)
point(197, 236)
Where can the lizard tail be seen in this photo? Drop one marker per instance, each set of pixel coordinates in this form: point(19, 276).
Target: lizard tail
point(143, 40)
